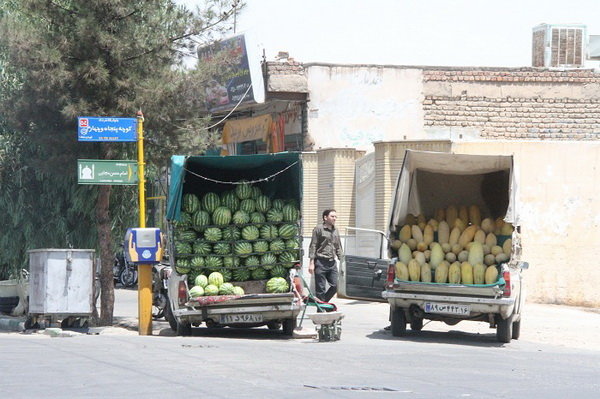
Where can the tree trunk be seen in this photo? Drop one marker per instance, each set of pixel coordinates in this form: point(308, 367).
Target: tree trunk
point(107, 297)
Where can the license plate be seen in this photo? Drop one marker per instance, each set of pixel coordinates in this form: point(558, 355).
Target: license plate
point(447, 308)
point(241, 318)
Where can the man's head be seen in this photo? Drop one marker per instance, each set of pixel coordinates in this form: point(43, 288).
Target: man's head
point(329, 216)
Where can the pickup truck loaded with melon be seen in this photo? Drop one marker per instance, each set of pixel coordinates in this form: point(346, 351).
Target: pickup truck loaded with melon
point(453, 246)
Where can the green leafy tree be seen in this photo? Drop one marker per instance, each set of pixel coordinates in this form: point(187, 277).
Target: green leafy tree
point(70, 58)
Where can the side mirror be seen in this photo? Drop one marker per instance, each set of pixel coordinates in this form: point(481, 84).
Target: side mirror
point(524, 265)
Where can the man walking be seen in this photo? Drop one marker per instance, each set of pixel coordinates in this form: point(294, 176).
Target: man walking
point(325, 245)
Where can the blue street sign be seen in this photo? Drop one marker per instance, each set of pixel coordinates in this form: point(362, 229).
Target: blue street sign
point(106, 129)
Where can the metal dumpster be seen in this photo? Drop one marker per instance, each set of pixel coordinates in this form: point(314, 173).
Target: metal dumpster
point(61, 287)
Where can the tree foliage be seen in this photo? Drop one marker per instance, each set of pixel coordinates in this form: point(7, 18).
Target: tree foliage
point(69, 58)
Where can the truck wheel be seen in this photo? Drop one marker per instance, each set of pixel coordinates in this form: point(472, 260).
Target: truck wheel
point(184, 329)
point(288, 326)
point(169, 316)
point(516, 329)
point(416, 324)
point(398, 322)
point(274, 325)
point(504, 329)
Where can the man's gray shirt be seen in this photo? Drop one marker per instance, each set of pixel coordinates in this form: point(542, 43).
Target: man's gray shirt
point(325, 243)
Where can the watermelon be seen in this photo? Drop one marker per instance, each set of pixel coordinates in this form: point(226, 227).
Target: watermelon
point(248, 205)
point(212, 262)
point(182, 266)
point(250, 233)
point(192, 275)
point(268, 232)
point(200, 220)
point(257, 219)
point(202, 247)
point(211, 290)
point(274, 215)
point(231, 261)
point(292, 243)
point(263, 204)
point(243, 190)
point(256, 192)
point(183, 248)
point(231, 233)
point(213, 234)
point(215, 278)
point(288, 231)
point(226, 289)
point(197, 262)
point(185, 220)
point(252, 261)
point(240, 217)
point(222, 248)
point(238, 290)
point(210, 202)
point(292, 202)
point(260, 246)
point(277, 285)
point(185, 235)
point(221, 216)
point(241, 274)
point(287, 259)
point(196, 291)
point(201, 280)
point(226, 273)
point(277, 245)
point(268, 261)
point(242, 248)
point(290, 213)
point(230, 200)
point(279, 271)
point(259, 273)
point(277, 204)
point(190, 203)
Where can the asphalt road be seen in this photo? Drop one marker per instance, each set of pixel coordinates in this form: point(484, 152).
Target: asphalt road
point(440, 362)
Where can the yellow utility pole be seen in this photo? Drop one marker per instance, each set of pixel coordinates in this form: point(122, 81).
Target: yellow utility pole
point(144, 270)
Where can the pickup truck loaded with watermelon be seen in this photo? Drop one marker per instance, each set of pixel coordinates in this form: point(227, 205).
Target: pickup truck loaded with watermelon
point(452, 251)
point(234, 229)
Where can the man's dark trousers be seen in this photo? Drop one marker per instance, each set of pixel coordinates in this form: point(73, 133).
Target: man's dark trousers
point(325, 271)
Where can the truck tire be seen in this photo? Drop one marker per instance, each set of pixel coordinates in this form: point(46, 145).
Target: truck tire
point(289, 325)
point(416, 324)
point(516, 329)
point(398, 322)
point(184, 329)
point(169, 316)
point(504, 329)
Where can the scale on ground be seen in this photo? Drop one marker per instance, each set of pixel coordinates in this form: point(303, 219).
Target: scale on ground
point(328, 325)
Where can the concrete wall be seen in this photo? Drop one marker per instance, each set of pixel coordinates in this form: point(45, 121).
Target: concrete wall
point(354, 105)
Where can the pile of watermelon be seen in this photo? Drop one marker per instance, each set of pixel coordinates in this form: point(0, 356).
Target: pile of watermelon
point(212, 285)
point(240, 233)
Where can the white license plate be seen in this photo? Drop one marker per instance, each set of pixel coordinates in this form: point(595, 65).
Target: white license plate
point(447, 308)
point(240, 318)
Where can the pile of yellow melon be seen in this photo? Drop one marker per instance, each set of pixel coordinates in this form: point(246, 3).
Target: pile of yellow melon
point(466, 250)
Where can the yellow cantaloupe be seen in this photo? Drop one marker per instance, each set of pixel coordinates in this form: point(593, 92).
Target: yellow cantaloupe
point(478, 273)
point(443, 232)
point(491, 274)
point(450, 257)
point(395, 245)
point(488, 225)
point(425, 273)
point(463, 214)
point(440, 214)
point(479, 236)
point(463, 256)
point(401, 271)
point(467, 235)
point(414, 270)
point(501, 258)
point(417, 233)
point(451, 215)
point(437, 255)
point(475, 253)
point(441, 273)
point(459, 224)
point(427, 255)
point(405, 233)
point(486, 249)
point(507, 229)
point(422, 225)
point(410, 219)
point(404, 254)
point(419, 257)
point(412, 244)
point(496, 249)
point(491, 240)
point(421, 219)
point(507, 247)
point(428, 234)
point(456, 249)
point(489, 259)
point(454, 273)
point(466, 273)
point(433, 223)
point(421, 246)
point(474, 215)
point(446, 247)
point(454, 236)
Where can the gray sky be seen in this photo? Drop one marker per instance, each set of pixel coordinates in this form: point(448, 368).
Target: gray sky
point(407, 32)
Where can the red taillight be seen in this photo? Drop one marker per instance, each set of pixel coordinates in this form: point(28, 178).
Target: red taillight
point(182, 293)
point(506, 277)
point(391, 273)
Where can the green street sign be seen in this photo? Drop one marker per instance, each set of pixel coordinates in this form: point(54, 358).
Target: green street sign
point(93, 171)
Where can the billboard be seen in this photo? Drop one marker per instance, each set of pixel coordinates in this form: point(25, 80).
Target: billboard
point(240, 79)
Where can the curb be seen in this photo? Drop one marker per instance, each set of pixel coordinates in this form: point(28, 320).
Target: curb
point(12, 323)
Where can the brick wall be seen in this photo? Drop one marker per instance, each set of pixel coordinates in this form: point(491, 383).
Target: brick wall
point(523, 103)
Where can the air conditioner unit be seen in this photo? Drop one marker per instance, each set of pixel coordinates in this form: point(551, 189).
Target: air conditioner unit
point(559, 46)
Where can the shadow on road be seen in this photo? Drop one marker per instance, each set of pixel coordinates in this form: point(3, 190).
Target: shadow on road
point(255, 333)
point(452, 337)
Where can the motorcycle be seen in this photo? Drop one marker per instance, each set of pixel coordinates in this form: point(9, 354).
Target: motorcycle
point(160, 296)
point(124, 272)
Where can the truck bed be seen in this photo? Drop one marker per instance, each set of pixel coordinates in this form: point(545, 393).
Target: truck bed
point(491, 291)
